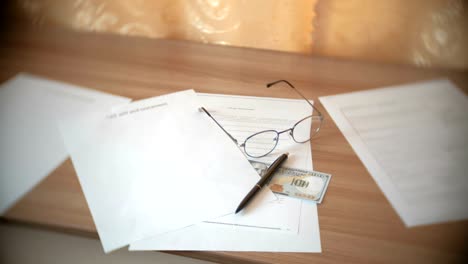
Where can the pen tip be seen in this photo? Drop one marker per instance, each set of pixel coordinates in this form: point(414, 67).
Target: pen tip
point(237, 210)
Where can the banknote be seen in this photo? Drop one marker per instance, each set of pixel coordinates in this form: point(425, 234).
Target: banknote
point(303, 184)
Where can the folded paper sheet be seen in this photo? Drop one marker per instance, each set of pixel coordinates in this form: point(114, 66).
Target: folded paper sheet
point(30, 143)
point(154, 166)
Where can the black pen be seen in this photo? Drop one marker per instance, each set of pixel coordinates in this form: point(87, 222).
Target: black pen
point(265, 178)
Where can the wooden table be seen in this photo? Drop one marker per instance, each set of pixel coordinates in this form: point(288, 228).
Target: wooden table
point(357, 223)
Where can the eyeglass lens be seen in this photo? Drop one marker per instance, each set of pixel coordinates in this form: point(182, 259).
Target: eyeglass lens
point(264, 142)
point(260, 144)
point(302, 129)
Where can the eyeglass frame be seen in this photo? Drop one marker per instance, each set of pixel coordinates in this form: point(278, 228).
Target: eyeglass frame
point(268, 85)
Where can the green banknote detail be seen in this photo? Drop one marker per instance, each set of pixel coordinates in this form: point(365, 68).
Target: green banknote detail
point(303, 184)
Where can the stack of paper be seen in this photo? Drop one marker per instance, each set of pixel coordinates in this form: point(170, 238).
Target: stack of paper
point(157, 173)
point(154, 166)
point(241, 116)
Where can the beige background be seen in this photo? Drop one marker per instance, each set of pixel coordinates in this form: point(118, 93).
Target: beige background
point(420, 32)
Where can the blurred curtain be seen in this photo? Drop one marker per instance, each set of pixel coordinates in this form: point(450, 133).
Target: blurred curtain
point(419, 32)
point(266, 24)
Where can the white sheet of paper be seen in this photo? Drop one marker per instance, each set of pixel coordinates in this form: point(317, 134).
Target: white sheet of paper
point(282, 214)
point(237, 112)
point(156, 165)
point(242, 116)
point(30, 143)
point(221, 237)
point(413, 141)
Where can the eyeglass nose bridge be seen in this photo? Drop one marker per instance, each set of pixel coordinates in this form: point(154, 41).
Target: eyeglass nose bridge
point(286, 130)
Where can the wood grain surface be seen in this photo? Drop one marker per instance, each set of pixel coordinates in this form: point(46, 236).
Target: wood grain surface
point(357, 223)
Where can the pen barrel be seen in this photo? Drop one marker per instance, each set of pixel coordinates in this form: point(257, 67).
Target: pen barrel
point(248, 197)
point(262, 181)
point(271, 170)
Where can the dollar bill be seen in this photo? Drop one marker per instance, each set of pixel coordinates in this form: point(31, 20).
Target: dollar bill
point(303, 184)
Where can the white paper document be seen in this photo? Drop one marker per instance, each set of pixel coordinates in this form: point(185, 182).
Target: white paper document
point(156, 165)
point(242, 116)
point(30, 143)
point(282, 215)
point(222, 237)
point(285, 225)
point(413, 139)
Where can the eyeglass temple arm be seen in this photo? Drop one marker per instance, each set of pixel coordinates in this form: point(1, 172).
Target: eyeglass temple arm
point(294, 88)
point(208, 113)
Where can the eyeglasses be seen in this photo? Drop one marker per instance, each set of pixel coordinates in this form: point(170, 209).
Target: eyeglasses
point(262, 143)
